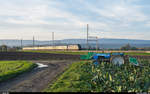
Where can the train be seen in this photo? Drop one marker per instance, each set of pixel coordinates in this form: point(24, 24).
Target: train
point(60, 47)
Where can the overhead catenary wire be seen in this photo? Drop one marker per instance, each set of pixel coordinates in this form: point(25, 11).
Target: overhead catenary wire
point(21, 43)
point(33, 42)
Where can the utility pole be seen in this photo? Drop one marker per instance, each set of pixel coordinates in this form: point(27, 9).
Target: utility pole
point(87, 36)
point(53, 38)
point(97, 44)
point(33, 41)
point(95, 39)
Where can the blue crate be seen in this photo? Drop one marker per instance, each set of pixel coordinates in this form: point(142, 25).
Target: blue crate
point(121, 54)
point(105, 55)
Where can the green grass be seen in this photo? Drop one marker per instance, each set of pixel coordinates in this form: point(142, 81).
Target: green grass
point(58, 52)
point(134, 53)
point(85, 77)
point(9, 69)
point(72, 80)
point(80, 53)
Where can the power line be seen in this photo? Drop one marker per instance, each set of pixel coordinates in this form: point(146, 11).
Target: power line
point(94, 38)
point(33, 41)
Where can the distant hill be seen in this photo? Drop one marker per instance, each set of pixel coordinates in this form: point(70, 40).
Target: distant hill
point(103, 43)
point(110, 41)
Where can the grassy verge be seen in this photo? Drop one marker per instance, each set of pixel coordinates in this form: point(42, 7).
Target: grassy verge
point(58, 52)
point(86, 77)
point(9, 69)
point(134, 53)
point(81, 53)
point(73, 80)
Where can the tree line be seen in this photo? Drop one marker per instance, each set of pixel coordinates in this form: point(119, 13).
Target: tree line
point(125, 47)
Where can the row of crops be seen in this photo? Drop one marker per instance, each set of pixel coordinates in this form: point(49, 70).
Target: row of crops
point(109, 77)
point(86, 77)
point(9, 69)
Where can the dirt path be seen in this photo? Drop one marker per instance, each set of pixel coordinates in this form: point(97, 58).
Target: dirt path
point(37, 79)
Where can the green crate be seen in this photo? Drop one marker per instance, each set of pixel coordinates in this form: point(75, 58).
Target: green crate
point(87, 57)
point(133, 60)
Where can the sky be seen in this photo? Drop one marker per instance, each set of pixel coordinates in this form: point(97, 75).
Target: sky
point(121, 19)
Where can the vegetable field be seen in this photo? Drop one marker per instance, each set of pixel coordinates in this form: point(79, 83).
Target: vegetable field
point(9, 69)
point(86, 77)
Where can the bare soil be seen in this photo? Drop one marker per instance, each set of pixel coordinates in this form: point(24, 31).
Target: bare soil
point(47, 56)
point(36, 56)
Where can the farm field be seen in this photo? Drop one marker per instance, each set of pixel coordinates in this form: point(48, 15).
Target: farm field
point(9, 69)
point(85, 77)
point(36, 56)
point(79, 76)
point(37, 79)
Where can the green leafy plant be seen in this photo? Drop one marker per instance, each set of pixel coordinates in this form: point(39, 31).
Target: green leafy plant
point(86, 77)
point(9, 69)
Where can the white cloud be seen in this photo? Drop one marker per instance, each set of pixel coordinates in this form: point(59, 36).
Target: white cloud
point(36, 14)
point(41, 17)
point(120, 11)
point(147, 24)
